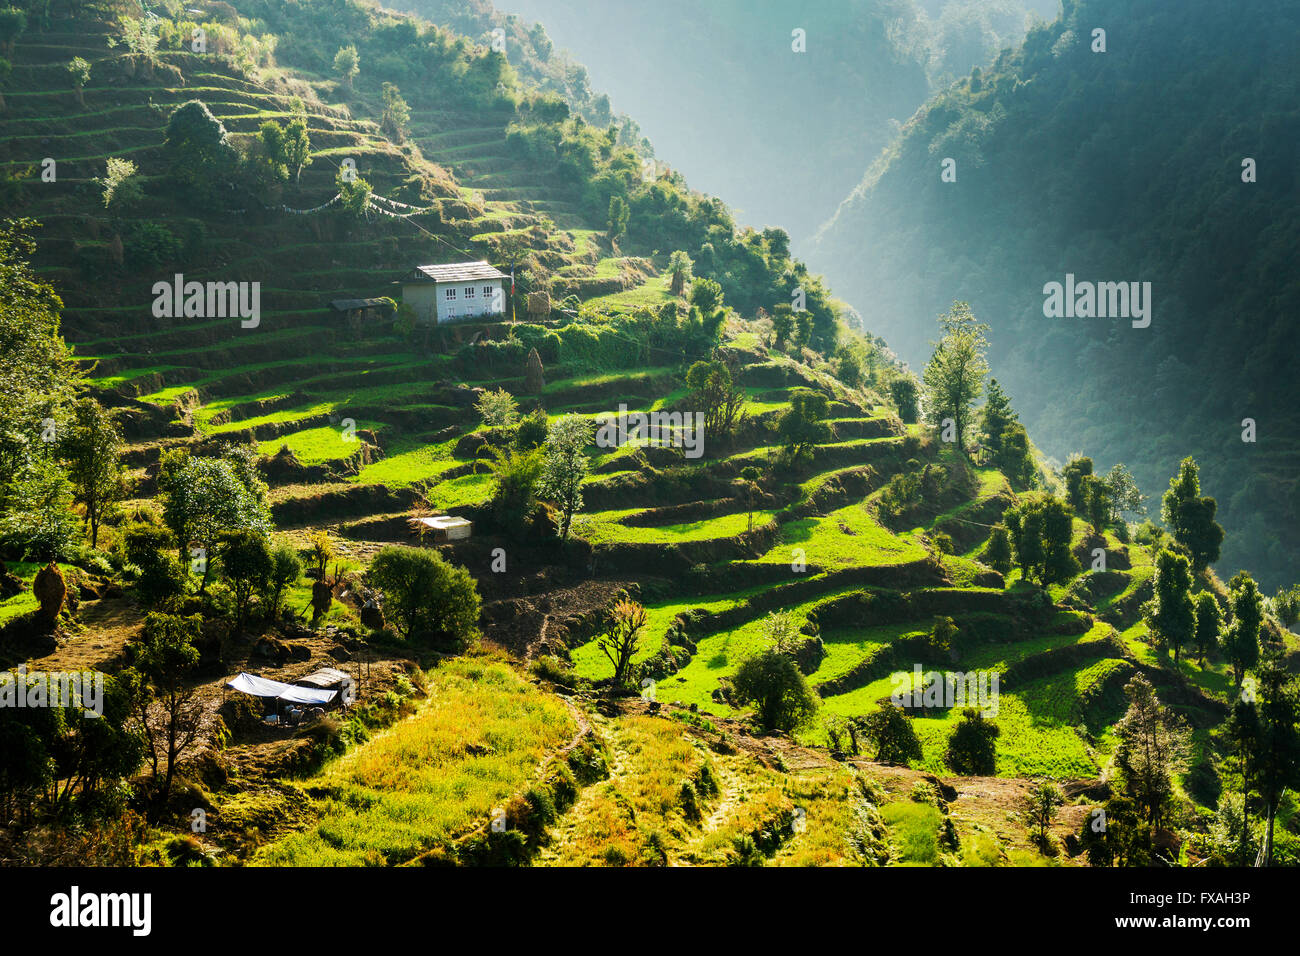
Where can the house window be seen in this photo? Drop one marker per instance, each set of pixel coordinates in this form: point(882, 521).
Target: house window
point(487, 292)
point(451, 293)
point(469, 292)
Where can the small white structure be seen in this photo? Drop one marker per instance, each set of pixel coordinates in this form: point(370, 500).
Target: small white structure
point(454, 292)
point(443, 527)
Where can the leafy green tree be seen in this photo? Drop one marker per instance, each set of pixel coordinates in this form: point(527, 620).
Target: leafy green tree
point(426, 595)
point(170, 712)
point(1153, 748)
point(92, 449)
point(1277, 759)
point(204, 499)
point(995, 417)
point(498, 409)
point(954, 376)
point(997, 553)
point(1125, 497)
point(286, 570)
point(1171, 613)
point(1014, 457)
point(1075, 474)
point(271, 159)
point(771, 681)
point(1097, 504)
point(514, 496)
point(13, 23)
point(1241, 638)
point(1209, 623)
point(1115, 834)
point(616, 221)
point(1190, 516)
point(1287, 605)
point(715, 391)
point(1038, 808)
point(161, 575)
point(564, 466)
point(783, 325)
point(906, 395)
point(802, 427)
point(890, 730)
point(679, 269)
point(121, 188)
point(347, 64)
point(972, 745)
point(37, 521)
point(297, 147)
point(246, 565)
point(197, 147)
point(1041, 530)
point(355, 195)
point(396, 118)
point(79, 70)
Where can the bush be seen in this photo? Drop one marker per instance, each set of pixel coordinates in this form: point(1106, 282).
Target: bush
point(971, 748)
point(427, 597)
point(772, 682)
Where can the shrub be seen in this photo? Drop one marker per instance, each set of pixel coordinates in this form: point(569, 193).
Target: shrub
point(971, 748)
point(425, 595)
point(773, 683)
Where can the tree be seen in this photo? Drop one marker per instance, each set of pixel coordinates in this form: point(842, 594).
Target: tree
point(801, 427)
point(515, 495)
point(972, 750)
point(354, 195)
point(890, 730)
point(1209, 623)
point(171, 714)
point(161, 575)
point(1097, 503)
point(906, 397)
point(1125, 497)
point(995, 417)
point(427, 596)
point(997, 553)
point(679, 269)
point(397, 114)
point(564, 466)
point(204, 499)
point(616, 222)
point(297, 146)
point(92, 449)
point(1191, 517)
point(780, 632)
point(1041, 530)
point(954, 376)
point(120, 186)
point(1171, 613)
point(1277, 758)
point(783, 325)
point(347, 64)
point(1241, 638)
point(773, 684)
point(715, 391)
point(246, 565)
point(1014, 457)
point(750, 476)
point(13, 23)
point(271, 152)
point(621, 638)
point(1286, 605)
point(1074, 474)
point(197, 147)
point(80, 72)
point(1038, 807)
point(498, 409)
point(286, 569)
point(1153, 748)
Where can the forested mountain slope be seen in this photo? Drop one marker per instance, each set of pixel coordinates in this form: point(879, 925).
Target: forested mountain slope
point(1120, 166)
point(781, 136)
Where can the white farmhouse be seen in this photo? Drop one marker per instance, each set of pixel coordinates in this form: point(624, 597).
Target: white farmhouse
point(455, 292)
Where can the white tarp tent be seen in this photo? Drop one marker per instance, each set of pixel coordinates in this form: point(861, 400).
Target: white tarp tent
point(261, 687)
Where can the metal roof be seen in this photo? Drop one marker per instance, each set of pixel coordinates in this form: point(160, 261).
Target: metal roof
point(457, 272)
point(325, 677)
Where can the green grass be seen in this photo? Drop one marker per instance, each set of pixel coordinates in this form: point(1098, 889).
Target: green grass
point(418, 785)
point(914, 831)
point(849, 537)
point(605, 528)
point(314, 446)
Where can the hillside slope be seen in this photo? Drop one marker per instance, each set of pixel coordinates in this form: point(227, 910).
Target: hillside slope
point(1121, 166)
